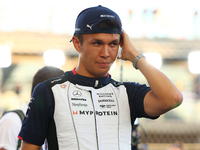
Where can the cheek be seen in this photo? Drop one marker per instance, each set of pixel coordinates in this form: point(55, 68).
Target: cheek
point(114, 54)
point(88, 56)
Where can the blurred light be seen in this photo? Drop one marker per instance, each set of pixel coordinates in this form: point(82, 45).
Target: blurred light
point(54, 58)
point(193, 62)
point(5, 56)
point(113, 66)
point(154, 59)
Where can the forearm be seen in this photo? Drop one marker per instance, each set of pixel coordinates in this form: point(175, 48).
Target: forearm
point(163, 95)
point(162, 87)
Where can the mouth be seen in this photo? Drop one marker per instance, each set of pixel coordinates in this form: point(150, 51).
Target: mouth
point(103, 64)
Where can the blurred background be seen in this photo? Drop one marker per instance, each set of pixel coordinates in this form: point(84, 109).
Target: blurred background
point(38, 33)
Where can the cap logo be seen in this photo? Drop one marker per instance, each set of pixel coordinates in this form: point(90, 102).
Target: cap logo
point(89, 26)
point(77, 29)
point(107, 16)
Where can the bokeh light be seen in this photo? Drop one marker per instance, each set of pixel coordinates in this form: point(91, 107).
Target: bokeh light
point(154, 59)
point(54, 58)
point(5, 56)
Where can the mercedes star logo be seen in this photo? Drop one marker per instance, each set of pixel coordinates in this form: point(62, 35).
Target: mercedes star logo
point(77, 93)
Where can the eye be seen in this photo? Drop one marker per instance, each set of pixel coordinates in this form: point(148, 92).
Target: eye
point(114, 44)
point(97, 43)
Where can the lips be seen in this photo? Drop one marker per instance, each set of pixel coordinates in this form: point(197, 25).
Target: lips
point(103, 64)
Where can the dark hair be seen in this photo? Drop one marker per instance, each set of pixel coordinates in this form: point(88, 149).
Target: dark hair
point(108, 24)
point(79, 36)
point(45, 73)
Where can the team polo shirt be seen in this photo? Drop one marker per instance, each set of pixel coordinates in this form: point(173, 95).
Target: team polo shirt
point(81, 113)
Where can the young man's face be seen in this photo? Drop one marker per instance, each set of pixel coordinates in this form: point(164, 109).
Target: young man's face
point(97, 54)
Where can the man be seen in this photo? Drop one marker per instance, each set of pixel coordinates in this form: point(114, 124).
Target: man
point(86, 109)
point(10, 123)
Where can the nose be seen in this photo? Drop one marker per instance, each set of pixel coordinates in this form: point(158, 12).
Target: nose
point(105, 51)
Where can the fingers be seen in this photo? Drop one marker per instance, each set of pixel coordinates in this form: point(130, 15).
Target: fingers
point(128, 50)
point(120, 53)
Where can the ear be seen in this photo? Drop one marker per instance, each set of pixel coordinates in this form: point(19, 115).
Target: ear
point(76, 43)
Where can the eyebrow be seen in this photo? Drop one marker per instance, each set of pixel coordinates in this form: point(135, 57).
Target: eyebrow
point(117, 40)
point(98, 40)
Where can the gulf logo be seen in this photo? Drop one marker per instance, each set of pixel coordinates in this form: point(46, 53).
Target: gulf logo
point(63, 86)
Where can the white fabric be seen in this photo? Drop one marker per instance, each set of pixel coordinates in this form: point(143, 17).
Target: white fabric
point(81, 110)
point(10, 125)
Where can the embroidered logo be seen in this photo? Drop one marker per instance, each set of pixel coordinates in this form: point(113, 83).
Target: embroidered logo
point(77, 29)
point(107, 16)
point(63, 86)
point(56, 80)
point(77, 93)
point(89, 26)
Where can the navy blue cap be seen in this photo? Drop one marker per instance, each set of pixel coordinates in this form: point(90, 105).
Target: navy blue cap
point(88, 19)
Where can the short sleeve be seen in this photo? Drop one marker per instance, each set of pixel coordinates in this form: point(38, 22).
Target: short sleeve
point(38, 116)
point(136, 93)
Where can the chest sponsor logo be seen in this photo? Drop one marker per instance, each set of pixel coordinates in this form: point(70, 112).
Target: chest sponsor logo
point(98, 113)
point(106, 100)
point(77, 93)
point(107, 106)
point(105, 94)
point(63, 86)
point(78, 99)
point(79, 105)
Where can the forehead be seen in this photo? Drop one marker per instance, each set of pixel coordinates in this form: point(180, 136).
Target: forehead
point(101, 36)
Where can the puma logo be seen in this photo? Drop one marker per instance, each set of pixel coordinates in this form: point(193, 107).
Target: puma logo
point(90, 26)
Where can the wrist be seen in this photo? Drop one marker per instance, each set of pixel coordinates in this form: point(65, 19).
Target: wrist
point(135, 60)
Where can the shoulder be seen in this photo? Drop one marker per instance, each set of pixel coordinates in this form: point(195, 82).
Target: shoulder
point(136, 91)
point(136, 86)
point(48, 84)
point(57, 80)
point(115, 83)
